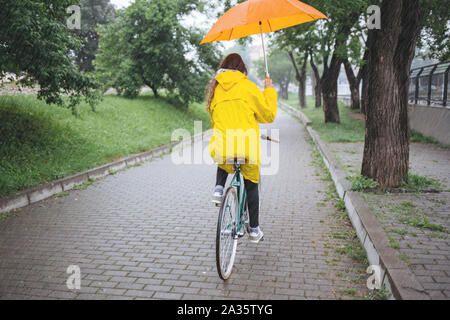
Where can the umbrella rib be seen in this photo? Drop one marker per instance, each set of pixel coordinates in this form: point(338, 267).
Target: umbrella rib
point(268, 22)
point(218, 35)
point(231, 33)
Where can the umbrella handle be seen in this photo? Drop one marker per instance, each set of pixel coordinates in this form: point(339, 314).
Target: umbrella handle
point(264, 50)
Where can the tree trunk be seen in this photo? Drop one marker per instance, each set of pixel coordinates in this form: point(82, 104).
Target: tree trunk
point(155, 91)
point(302, 97)
point(288, 81)
point(318, 86)
point(284, 91)
point(329, 90)
point(364, 75)
point(386, 149)
point(151, 86)
point(313, 82)
point(331, 72)
point(364, 91)
point(301, 78)
point(354, 85)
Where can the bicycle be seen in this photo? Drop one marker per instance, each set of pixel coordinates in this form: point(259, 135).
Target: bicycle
point(233, 220)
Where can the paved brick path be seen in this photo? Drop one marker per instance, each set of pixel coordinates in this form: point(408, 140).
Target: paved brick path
point(148, 232)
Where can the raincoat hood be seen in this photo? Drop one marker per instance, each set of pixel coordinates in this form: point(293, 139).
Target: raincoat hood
point(228, 78)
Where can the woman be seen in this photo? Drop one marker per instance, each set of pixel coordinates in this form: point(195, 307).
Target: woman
point(237, 106)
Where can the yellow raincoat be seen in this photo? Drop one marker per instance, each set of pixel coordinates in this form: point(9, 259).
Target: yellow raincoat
point(236, 109)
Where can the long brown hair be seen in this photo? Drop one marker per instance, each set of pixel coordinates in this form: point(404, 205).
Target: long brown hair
point(232, 61)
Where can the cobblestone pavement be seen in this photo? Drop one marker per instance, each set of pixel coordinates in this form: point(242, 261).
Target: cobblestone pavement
point(425, 159)
point(423, 245)
point(417, 224)
point(148, 233)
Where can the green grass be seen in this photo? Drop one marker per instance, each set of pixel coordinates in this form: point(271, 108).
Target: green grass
point(409, 214)
point(349, 130)
point(380, 294)
point(417, 183)
point(40, 142)
point(418, 137)
point(361, 183)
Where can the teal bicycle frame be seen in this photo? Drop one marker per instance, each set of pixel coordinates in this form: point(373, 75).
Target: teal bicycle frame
point(242, 195)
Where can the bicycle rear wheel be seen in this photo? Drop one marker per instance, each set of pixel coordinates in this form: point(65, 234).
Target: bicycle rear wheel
point(226, 239)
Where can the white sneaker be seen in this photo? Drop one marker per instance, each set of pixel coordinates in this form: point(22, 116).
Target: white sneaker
point(255, 237)
point(217, 196)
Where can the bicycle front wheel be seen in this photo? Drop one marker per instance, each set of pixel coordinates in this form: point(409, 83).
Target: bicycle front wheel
point(226, 238)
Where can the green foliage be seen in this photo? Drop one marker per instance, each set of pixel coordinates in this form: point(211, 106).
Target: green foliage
point(349, 130)
point(41, 143)
point(418, 137)
point(436, 28)
point(339, 34)
point(379, 294)
point(340, 204)
point(417, 183)
point(409, 214)
point(93, 13)
point(37, 45)
point(361, 183)
point(281, 70)
point(147, 45)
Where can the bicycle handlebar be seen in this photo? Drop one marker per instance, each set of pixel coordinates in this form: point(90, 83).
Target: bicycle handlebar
point(264, 137)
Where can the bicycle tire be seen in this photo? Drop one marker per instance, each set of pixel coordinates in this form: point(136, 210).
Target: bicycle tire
point(224, 262)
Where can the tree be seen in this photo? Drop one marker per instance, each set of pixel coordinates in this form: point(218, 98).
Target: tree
point(365, 75)
point(93, 13)
point(386, 148)
point(280, 71)
point(156, 50)
point(300, 76)
point(317, 81)
point(113, 63)
point(297, 42)
point(436, 28)
point(343, 16)
point(354, 82)
point(326, 41)
point(357, 57)
point(36, 43)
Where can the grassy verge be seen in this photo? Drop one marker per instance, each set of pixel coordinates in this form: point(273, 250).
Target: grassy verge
point(40, 143)
point(349, 130)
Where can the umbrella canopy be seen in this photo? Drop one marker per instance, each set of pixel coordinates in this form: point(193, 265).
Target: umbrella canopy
point(261, 16)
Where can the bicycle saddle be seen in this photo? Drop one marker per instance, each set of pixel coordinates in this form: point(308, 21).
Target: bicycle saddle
point(238, 160)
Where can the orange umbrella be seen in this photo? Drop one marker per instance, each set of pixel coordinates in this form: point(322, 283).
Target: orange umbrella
point(261, 16)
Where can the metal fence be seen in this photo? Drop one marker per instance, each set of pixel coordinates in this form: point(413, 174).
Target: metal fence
point(429, 85)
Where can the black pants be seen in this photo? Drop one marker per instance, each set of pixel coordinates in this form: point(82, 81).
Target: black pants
point(252, 196)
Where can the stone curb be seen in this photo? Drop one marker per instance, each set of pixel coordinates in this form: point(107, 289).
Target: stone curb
point(48, 189)
point(395, 274)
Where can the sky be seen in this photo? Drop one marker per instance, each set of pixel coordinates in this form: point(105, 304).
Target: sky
point(120, 3)
point(194, 19)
